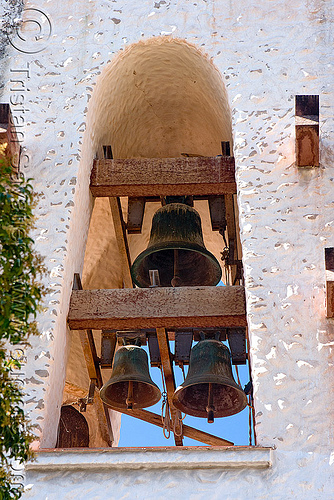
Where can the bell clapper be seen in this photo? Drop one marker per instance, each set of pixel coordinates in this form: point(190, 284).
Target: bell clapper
point(210, 408)
point(176, 281)
point(129, 399)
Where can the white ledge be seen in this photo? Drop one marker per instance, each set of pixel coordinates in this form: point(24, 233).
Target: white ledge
point(152, 458)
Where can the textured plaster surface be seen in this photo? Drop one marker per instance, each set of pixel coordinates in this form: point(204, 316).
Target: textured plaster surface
point(266, 52)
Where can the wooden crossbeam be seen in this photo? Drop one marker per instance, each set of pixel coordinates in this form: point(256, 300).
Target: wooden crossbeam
point(167, 368)
point(190, 432)
point(163, 176)
point(190, 307)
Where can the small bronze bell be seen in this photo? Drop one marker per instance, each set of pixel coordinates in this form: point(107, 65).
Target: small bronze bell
point(176, 249)
point(130, 385)
point(209, 389)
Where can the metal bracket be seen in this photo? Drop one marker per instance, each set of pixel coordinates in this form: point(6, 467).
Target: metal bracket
point(131, 337)
point(89, 399)
point(237, 342)
point(136, 208)
point(183, 342)
point(108, 344)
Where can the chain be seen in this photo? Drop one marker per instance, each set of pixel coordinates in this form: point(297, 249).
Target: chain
point(165, 416)
point(250, 420)
point(165, 411)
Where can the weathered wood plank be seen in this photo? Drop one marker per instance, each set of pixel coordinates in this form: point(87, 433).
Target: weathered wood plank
point(307, 145)
point(191, 307)
point(203, 437)
point(330, 294)
point(163, 176)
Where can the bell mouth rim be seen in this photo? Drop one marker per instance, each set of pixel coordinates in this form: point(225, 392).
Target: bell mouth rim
point(202, 413)
point(174, 245)
point(156, 399)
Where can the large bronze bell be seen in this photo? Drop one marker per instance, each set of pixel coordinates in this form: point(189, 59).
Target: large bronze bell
point(209, 389)
point(130, 385)
point(176, 249)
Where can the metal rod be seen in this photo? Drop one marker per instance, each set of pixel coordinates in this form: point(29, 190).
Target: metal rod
point(129, 400)
point(210, 408)
point(176, 281)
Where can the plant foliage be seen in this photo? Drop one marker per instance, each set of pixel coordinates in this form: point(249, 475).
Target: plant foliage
point(21, 268)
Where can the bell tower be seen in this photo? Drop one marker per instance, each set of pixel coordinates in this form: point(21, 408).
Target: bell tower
point(123, 110)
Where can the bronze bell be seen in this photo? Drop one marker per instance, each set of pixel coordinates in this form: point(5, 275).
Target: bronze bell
point(176, 249)
point(209, 389)
point(130, 385)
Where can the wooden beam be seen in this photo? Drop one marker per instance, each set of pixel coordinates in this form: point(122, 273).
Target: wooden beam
point(167, 368)
point(330, 294)
point(93, 369)
point(329, 265)
point(307, 130)
point(190, 307)
point(190, 432)
point(102, 412)
point(232, 236)
point(120, 231)
point(163, 176)
point(307, 142)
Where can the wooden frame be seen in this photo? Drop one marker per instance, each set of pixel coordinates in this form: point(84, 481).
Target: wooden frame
point(160, 308)
point(94, 372)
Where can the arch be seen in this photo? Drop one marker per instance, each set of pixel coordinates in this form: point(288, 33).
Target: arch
point(160, 98)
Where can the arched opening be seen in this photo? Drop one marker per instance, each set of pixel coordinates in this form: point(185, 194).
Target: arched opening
point(160, 98)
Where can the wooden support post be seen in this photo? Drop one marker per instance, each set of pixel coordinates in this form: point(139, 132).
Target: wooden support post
point(330, 294)
point(232, 237)
point(307, 131)
point(329, 262)
point(93, 368)
point(120, 231)
point(190, 432)
point(167, 367)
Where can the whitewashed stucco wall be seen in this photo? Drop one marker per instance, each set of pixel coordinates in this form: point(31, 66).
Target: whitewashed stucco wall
point(267, 51)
